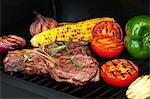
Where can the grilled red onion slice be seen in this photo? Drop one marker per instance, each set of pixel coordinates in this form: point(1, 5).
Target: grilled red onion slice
point(11, 42)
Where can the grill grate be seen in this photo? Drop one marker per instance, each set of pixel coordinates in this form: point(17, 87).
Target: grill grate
point(90, 90)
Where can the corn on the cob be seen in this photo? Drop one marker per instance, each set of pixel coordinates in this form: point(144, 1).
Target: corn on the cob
point(75, 31)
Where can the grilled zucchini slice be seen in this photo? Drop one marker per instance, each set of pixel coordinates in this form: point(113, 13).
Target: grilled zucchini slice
point(140, 88)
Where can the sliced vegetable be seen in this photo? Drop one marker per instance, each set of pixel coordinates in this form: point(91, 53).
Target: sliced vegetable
point(119, 72)
point(76, 31)
point(11, 42)
point(109, 28)
point(140, 88)
point(107, 47)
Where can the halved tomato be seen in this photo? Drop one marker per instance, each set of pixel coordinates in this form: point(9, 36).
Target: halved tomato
point(107, 28)
point(119, 72)
point(107, 47)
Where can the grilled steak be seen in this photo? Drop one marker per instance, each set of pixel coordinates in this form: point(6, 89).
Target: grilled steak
point(73, 48)
point(73, 64)
point(66, 71)
point(28, 61)
point(81, 69)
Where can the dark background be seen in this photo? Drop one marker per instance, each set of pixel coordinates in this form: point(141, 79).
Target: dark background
point(17, 15)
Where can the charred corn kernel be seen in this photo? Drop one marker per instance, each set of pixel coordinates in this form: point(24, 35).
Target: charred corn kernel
point(45, 37)
point(76, 31)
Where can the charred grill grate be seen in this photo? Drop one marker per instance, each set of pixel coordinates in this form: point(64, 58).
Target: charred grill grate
point(90, 90)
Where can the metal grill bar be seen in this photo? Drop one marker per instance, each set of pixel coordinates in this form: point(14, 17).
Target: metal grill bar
point(63, 89)
point(94, 91)
point(54, 87)
point(42, 80)
point(25, 77)
point(33, 79)
point(75, 90)
point(115, 94)
point(122, 94)
point(49, 83)
point(20, 76)
point(107, 91)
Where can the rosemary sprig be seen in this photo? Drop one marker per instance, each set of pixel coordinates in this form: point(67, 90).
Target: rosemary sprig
point(67, 52)
point(26, 58)
point(60, 48)
point(72, 58)
point(74, 62)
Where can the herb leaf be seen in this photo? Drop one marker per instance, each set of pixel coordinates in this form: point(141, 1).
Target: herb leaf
point(26, 58)
point(73, 59)
point(60, 48)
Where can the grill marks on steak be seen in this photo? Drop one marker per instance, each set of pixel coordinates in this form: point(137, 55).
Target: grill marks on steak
point(35, 64)
point(59, 67)
point(12, 62)
point(74, 48)
point(66, 71)
point(75, 75)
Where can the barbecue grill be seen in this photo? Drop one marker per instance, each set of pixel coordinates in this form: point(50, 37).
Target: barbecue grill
point(63, 10)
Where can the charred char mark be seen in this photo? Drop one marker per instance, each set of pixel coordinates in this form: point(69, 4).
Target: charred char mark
point(125, 67)
point(129, 73)
point(113, 34)
point(131, 65)
point(114, 74)
point(114, 63)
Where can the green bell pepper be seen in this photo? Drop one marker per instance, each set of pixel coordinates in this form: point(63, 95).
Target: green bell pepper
point(137, 39)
